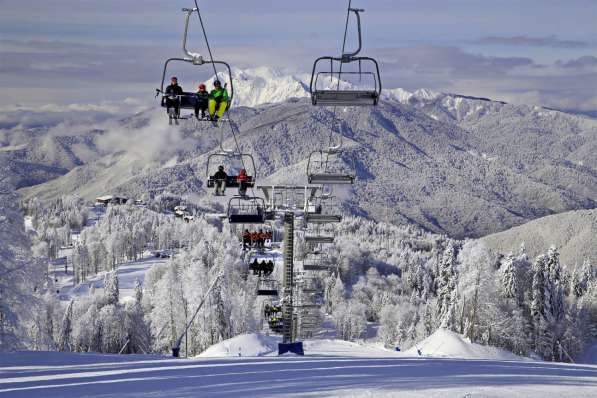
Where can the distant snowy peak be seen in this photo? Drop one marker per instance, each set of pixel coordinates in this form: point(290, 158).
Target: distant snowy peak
point(263, 85)
point(406, 97)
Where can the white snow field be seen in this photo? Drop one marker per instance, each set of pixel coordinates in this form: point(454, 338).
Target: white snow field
point(64, 375)
point(247, 366)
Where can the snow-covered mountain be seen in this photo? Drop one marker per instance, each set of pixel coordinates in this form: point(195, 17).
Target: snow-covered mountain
point(253, 87)
point(463, 178)
point(265, 85)
point(452, 164)
point(574, 233)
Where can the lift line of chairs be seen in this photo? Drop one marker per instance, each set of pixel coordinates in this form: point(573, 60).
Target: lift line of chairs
point(322, 165)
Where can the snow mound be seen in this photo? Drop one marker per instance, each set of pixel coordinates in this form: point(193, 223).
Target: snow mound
point(446, 344)
point(245, 345)
point(342, 348)
point(258, 345)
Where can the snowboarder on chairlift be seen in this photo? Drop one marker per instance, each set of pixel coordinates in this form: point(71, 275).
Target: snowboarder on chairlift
point(220, 181)
point(242, 180)
point(218, 101)
point(201, 101)
point(175, 91)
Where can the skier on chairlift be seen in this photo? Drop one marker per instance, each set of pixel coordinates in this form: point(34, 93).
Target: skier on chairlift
point(220, 181)
point(218, 101)
point(175, 91)
point(246, 239)
point(242, 180)
point(270, 267)
point(254, 266)
point(201, 101)
point(261, 239)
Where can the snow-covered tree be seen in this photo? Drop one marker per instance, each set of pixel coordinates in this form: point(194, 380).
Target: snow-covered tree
point(111, 289)
point(64, 341)
point(21, 276)
point(446, 299)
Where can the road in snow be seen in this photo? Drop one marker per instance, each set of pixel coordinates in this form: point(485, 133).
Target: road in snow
point(64, 375)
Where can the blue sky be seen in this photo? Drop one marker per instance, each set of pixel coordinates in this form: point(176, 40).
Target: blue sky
point(541, 52)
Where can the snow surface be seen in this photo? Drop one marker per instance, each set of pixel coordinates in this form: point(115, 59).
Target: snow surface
point(64, 375)
point(447, 344)
point(441, 344)
point(127, 274)
point(258, 345)
point(248, 345)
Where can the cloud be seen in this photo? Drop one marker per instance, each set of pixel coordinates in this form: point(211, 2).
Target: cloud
point(450, 61)
point(586, 61)
point(548, 41)
point(53, 115)
point(152, 140)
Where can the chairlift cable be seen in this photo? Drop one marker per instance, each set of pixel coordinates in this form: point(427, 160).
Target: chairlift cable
point(338, 84)
point(211, 58)
point(242, 161)
point(216, 77)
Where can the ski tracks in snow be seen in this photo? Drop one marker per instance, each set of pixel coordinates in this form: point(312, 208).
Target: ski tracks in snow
point(91, 375)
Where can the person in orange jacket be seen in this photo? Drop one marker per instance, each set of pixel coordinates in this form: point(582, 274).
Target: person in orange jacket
point(254, 238)
point(261, 239)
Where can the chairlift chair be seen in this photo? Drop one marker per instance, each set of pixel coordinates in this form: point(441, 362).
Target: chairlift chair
point(367, 68)
point(268, 244)
point(316, 261)
point(267, 287)
point(246, 160)
point(325, 167)
point(323, 209)
point(246, 210)
point(317, 239)
point(188, 99)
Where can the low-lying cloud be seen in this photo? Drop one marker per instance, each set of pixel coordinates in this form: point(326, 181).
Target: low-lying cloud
point(548, 41)
point(586, 61)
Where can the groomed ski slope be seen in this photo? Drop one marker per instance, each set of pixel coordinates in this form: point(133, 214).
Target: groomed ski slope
point(330, 368)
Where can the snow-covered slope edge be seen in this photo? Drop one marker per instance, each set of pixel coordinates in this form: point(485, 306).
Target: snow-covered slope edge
point(441, 344)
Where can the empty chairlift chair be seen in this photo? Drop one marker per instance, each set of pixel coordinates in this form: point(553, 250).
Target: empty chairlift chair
point(351, 80)
point(316, 261)
point(316, 239)
point(246, 210)
point(327, 167)
point(323, 209)
point(267, 287)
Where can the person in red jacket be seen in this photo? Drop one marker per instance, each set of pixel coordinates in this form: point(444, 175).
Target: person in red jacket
point(242, 180)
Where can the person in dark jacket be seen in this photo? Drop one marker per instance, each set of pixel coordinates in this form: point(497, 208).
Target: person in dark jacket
point(220, 181)
point(173, 90)
point(269, 267)
point(201, 101)
point(246, 239)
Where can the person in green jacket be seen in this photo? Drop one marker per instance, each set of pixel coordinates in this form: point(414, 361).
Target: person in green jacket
point(218, 101)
